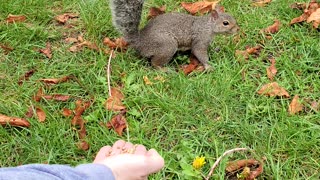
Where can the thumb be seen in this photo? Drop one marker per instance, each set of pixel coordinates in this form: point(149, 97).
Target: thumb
point(155, 161)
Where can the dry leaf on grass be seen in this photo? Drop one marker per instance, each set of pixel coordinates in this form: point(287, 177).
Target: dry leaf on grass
point(236, 165)
point(81, 106)
point(299, 6)
point(83, 44)
point(118, 43)
point(39, 95)
point(57, 97)
point(247, 169)
point(15, 18)
point(77, 120)
point(84, 145)
point(200, 6)
point(29, 113)
point(6, 48)
point(261, 3)
point(13, 121)
point(315, 105)
point(56, 80)
point(71, 40)
point(295, 106)
point(46, 51)
point(147, 81)
point(315, 17)
point(274, 28)
point(194, 63)
point(66, 112)
point(118, 123)
point(312, 9)
point(159, 78)
point(114, 102)
point(26, 76)
point(249, 51)
point(273, 89)
point(63, 18)
point(156, 11)
point(40, 114)
point(272, 70)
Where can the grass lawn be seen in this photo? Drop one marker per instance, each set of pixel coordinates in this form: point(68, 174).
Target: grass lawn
point(183, 117)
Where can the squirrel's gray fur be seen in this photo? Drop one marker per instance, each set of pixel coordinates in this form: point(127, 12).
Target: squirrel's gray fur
point(164, 35)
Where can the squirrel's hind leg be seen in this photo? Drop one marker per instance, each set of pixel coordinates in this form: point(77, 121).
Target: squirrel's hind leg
point(164, 54)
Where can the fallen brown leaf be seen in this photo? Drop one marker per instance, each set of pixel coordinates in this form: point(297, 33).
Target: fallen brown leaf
point(82, 131)
point(66, 112)
point(6, 48)
point(200, 6)
point(29, 113)
point(147, 81)
point(249, 51)
point(312, 8)
point(63, 18)
point(236, 165)
point(273, 89)
point(156, 11)
point(118, 43)
point(77, 120)
point(295, 106)
point(13, 121)
point(315, 105)
point(261, 3)
point(84, 145)
point(272, 70)
point(26, 76)
point(46, 51)
point(80, 46)
point(255, 173)
point(71, 40)
point(299, 6)
point(15, 18)
point(118, 123)
point(57, 97)
point(274, 28)
point(315, 17)
point(159, 78)
point(114, 102)
point(40, 114)
point(194, 62)
point(81, 106)
point(56, 80)
point(108, 42)
point(39, 95)
point(246, 169)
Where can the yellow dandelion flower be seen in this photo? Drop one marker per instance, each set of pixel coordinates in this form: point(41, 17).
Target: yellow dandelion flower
point(198, 162)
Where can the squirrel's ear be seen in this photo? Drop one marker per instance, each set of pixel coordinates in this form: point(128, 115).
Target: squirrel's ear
point(214, 14)
point(219, 9)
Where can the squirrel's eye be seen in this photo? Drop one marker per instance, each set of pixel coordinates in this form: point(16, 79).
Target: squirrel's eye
point(225, 23)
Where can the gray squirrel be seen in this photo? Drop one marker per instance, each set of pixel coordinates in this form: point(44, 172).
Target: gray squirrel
point(168, 33)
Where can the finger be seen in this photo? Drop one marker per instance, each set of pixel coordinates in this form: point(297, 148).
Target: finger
point(117, 147)
point(103, 153)
point(128, 147)
point(156, 161)
point(140, 150)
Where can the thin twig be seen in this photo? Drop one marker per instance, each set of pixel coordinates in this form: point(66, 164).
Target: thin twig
point(223, 155)
point(108, 72)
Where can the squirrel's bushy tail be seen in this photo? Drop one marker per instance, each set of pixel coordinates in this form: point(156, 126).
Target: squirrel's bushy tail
point(126, 15)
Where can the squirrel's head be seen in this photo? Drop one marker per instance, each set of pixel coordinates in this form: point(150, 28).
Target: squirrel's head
point(224, 23)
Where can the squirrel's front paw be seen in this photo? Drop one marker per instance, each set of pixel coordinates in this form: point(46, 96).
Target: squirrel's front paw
point(208, 68)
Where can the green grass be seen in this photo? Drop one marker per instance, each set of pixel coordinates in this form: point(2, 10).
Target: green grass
point(183, 117)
